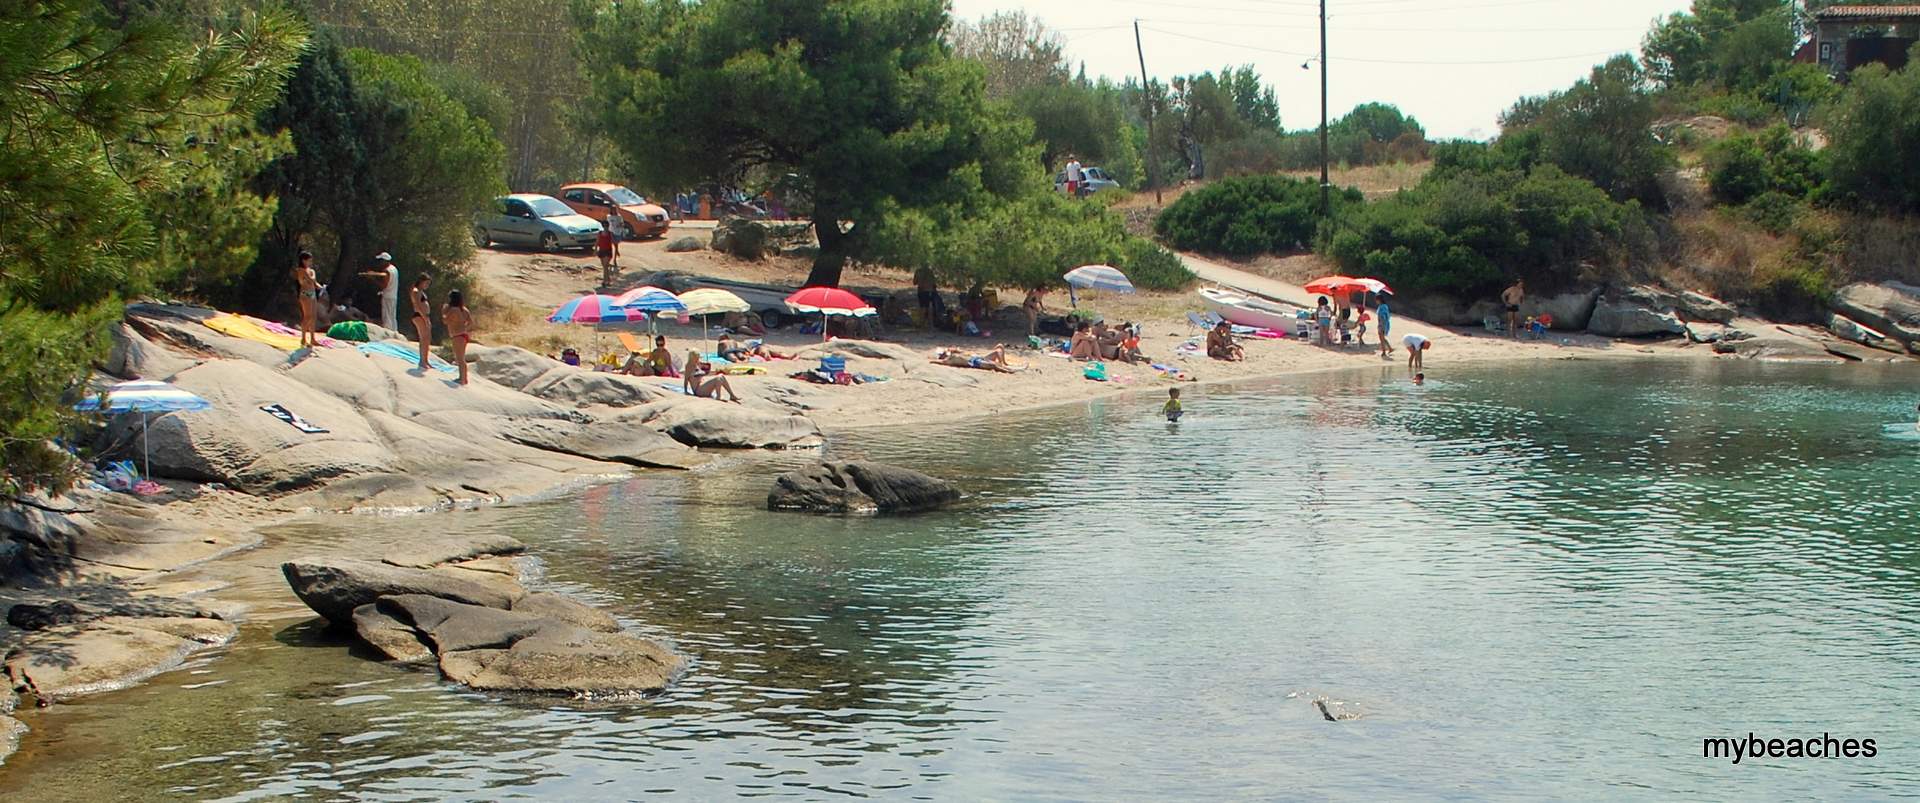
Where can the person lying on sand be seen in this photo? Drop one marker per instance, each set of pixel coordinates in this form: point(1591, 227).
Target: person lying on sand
point(995, 360)
point(735, 351)
point(1220, 345)
point(700, 382)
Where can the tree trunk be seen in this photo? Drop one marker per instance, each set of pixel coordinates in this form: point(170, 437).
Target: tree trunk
point(833, 245)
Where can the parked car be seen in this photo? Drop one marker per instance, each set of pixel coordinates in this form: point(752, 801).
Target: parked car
point(597, 201)
point(530, 219)
point(1095, 180)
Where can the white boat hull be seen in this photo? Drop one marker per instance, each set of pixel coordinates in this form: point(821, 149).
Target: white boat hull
point(1246, 310)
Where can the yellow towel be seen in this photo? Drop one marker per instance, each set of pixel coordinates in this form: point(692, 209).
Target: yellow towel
point(232, 325)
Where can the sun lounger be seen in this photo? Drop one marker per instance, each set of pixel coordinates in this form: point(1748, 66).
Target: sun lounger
point(632, 344)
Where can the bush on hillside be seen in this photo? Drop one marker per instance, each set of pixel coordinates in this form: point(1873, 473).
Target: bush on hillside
point(1246, 216)
point(1151, 267)
point(1875, 130)
point(1741, 167)
point(1468, 232)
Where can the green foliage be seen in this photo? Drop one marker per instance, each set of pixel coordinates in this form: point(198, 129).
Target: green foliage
point(1018, 52)
point(862, 102)
point(1875, 131)
point(1152, 267)
point(1253, 100)
point(1600, 129)
point(1775, 211)
point(1069, 119)
point(1466, 230)
point(1751, 54)
point(385, 159)
point(102, 118)
point(1246, 216)
point(1737, 169)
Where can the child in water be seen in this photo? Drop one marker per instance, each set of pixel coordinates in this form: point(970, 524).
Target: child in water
point(1419, 379)
point(1172, 410)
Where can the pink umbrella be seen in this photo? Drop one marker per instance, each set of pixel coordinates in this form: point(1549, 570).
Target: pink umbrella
point(828, 301)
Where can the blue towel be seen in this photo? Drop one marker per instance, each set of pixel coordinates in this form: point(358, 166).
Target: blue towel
point(399, 352)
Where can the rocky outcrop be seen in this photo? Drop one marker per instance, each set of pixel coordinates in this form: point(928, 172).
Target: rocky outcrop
point(334, 587)
point(741, 237)
point(1891, 309)
point(706, 423)
point(477, 625)
point(1570, 311)
point(681, 245)
point(858, 487)
point(1848, 329)
point(449, 549)
point(1694, 306)
point(93, 533)
point(107, 654)
point(1635, 311)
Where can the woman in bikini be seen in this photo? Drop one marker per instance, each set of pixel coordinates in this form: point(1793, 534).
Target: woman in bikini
point(309, 297)
point(459, 329)
point(704, 385)
point(423, 317)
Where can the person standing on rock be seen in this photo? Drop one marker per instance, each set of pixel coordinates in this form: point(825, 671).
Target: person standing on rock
point(389, 277)
point(1512, 298)
point(308, 287)
point(423, 317)
point(459, 329)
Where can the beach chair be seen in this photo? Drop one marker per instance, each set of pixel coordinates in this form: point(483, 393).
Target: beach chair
point(632, 344)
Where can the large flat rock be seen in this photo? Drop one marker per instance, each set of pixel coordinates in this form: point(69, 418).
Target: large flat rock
point(567, 660)
point(334, 587)
point(448, 549)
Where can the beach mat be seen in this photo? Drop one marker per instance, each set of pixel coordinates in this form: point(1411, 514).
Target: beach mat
point(400, 352)
point(254, 329)
point(284, 414)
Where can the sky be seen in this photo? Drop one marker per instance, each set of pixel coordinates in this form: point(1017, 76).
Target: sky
point(1419, 55)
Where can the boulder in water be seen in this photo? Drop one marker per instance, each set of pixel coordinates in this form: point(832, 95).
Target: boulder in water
point(334, 587)
point(859, 487)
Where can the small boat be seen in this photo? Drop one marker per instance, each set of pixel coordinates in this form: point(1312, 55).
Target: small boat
point(1247, 310)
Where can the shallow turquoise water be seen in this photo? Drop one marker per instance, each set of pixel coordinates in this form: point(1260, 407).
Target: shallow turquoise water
point(1549, 581)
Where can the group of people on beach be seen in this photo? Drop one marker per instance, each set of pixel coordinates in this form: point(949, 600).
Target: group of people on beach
point(697, 375)
point(1098, 341)
point(454, 315)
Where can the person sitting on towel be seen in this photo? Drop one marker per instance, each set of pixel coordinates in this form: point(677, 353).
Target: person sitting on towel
point(1220, 345)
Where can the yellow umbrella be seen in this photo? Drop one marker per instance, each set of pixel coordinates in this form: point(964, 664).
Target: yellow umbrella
point(712, 301)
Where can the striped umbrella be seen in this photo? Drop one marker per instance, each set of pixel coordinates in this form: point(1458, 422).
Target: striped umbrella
point(1096, 277)
point(145, 397)
point(649, 299)
point(594, 308)
point(706, 301)
point(828, 301)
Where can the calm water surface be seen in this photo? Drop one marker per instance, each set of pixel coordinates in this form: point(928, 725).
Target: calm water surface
point(1529, 582)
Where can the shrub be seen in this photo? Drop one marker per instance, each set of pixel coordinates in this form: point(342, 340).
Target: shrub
point(1151, 267)
point(1876, 131)
point(1468, 232)
point(1737, 169)
point(1246, 216)
point(1774, 211)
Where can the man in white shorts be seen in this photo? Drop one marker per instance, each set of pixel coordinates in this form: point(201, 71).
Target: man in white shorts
point(389, 290)
point(1417, 346)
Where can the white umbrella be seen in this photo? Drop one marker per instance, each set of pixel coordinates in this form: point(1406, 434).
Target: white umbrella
point(1096, 277)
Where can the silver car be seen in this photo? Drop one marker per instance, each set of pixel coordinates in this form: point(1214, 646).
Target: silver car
point(537, 220)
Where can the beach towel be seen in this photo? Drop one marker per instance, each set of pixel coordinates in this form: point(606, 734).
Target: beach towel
point(354, 331)
point(283, 329)
point(742, 370)
point(1192, 346)
point(680, 389)
point(1096, 372)
point(246, 328)
point(387, 348)
point(284, 414)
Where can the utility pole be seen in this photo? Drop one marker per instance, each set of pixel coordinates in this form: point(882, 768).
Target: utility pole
point(1326, 203)
point(1146, 97)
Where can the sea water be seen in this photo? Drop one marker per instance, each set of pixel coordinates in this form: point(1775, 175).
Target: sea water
point(1524, 581)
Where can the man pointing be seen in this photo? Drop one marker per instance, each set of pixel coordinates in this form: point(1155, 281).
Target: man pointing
point(389, 290)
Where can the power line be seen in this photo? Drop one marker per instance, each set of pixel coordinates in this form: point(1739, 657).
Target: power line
point(1388, 61)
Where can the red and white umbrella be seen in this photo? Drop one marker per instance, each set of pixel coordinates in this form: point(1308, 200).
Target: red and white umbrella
point(1335, 285)
point(825, 301)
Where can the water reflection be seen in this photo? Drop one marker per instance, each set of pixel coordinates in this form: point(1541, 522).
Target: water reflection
point(1541, 582)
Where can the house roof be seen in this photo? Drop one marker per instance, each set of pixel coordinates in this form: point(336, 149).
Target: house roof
point(1866, 13)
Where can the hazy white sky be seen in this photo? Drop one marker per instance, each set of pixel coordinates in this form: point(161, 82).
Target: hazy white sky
point(1415, 54)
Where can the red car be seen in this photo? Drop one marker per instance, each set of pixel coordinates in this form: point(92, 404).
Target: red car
point(597, 201)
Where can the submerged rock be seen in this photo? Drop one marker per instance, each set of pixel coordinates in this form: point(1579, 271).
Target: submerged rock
point(567, 659)
point(107, 654)
point(859, 487)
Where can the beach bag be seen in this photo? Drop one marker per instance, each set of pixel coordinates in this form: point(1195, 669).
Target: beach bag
point(1096, 372)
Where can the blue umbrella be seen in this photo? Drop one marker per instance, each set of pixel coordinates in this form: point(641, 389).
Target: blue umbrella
point(145, 397)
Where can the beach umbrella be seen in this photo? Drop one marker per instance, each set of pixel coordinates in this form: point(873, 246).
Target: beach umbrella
point(828, 301)
point(712, 301)
point(1096, 277)
point(1335, 285)
point(145, 397)
point(594, 308)
point(648, 298)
